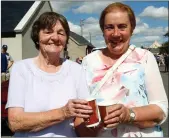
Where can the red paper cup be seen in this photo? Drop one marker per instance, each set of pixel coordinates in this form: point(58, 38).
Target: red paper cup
point(103, 109)
point(93, 120)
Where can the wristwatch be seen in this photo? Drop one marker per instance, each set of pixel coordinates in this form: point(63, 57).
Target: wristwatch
point(132, 116)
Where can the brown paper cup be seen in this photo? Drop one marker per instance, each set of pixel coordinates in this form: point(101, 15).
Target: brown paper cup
point(94, 118)
point(103, 109)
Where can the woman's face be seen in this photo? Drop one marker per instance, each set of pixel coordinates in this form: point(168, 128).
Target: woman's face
point(117, 31)
point(52, 41)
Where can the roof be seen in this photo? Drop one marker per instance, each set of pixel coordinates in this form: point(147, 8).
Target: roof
point(11, 15)
point(155, 45)
point(80, 39)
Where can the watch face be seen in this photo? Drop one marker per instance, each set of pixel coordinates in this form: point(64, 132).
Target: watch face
point(132, 115)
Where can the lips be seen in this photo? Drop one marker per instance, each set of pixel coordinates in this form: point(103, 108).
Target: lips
point(115, 43)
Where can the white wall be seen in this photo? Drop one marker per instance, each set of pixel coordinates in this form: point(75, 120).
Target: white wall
point(14, 46)
point(29, 49)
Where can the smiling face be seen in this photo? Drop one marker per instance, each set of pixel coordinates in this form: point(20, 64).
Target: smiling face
point(117, 31)
point(54, 40)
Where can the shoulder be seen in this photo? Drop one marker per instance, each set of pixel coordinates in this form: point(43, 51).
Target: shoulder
point(21, 64)
point(143, 53)
point(73, 66)
point(7, 54)
point(3, 55)
point(91, 58)
point(92, 55)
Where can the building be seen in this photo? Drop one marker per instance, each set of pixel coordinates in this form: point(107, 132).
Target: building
point(17, 18)
point(155, 47)
point(78, 46)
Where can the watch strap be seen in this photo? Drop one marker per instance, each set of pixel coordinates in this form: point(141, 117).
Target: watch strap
point(132, 116)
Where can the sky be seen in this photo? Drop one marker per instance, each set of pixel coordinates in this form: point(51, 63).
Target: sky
point(151, 20)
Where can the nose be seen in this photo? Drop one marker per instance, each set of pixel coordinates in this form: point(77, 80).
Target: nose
point(54, 36)
point(116, 32)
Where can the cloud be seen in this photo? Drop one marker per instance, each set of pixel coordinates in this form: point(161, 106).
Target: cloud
point(91, 20)
point(154, 12)
point(146, 41)
point(63, 6)
point(166, 29)
point(146, 38)
point(74, 28)
point(92, 7)
point(144, 29)
point(138, 20)
point(141, 28)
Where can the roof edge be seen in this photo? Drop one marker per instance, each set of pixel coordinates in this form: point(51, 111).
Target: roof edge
point(70, 37)
point(74, 40)
point(27, 16)
point(50, 5)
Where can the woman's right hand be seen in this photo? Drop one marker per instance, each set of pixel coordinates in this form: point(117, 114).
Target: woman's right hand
point(77, 108)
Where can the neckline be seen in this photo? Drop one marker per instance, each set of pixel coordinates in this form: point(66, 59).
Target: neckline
point(46, 73)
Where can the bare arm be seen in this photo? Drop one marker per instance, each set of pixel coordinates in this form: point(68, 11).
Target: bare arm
point(148, 116)
point(32, 122)
point(10, 63)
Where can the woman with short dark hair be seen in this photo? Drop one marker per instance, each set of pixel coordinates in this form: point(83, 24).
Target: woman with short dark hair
point(47, 92)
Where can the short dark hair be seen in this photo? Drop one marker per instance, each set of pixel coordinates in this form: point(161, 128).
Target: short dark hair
point(5, 47)
point(122, 7)
point(46, 21)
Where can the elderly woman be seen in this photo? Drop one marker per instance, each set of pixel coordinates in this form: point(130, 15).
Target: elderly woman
point(46, 92)
point(134, 80)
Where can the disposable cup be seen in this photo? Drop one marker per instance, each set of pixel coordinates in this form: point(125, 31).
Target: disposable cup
point(93, 120)
point(104, 108)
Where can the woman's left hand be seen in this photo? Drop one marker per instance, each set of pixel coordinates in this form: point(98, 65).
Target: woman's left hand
point(117, 114)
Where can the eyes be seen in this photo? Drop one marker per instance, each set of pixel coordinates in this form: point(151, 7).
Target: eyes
point(59, 32)
point(110, 27)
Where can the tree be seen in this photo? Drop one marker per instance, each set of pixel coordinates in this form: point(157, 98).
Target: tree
point(165, 45)
point(167, 34)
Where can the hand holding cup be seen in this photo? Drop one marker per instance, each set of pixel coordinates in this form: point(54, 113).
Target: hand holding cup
point(117, 114)
point(105, 109)
point(77, 108)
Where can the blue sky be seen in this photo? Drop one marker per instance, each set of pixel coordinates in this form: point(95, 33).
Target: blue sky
point(151, 18)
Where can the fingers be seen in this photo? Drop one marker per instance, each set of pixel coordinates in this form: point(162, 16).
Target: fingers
point(114, 111)
point(116, 115)
point(112, 120)
point(78, 108)
point(114, 108)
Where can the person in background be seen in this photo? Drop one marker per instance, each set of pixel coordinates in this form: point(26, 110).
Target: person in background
point(166, 62)
point(67, 57)
point(46, 92)
point(9, 57)
point(79, 60)
point(136, 83)
point(4, 65)
point(66, 53)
